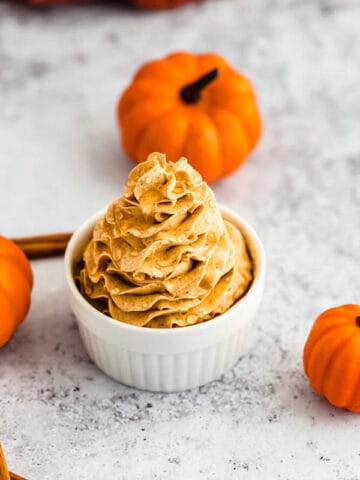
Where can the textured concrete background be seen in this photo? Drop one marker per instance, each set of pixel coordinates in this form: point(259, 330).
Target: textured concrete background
point(61, 72)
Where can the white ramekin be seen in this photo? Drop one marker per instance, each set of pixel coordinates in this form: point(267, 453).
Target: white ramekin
point(165, 360)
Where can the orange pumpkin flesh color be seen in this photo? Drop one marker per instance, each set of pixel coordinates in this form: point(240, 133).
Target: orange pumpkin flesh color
point(194, 106)
point(16, 281)
point(332, 356)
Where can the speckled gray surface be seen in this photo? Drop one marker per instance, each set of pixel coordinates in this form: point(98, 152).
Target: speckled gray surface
point(61, 71)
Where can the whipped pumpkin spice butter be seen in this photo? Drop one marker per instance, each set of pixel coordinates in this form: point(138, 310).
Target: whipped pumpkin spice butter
point(162, 256)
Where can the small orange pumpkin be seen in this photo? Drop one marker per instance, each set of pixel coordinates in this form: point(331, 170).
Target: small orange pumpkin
point(16, 281)
point(332, 356)
point(150, 4)
point(194, 106)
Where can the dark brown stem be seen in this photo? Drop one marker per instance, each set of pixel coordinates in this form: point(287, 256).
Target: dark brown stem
point(191, 93)
point(357, 320)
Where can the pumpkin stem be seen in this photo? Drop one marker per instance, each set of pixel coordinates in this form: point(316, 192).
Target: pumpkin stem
point(357, 320)
point(191, 93)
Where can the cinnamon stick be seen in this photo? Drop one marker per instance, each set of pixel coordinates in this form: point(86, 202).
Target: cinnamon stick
point(43, 245)
point(15, 476)
point(4, 472)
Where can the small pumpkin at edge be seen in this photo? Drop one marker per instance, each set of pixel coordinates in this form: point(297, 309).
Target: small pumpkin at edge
point(16, 281)
point(147, 4)
point(331, 356)
point(195, 106)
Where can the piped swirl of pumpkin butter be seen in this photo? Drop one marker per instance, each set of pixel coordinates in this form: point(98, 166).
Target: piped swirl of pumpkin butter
point(162, 256)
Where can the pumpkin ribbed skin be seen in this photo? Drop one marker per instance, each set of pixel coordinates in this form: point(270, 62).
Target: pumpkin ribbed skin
point(16, 281)
point(332, 356)
point(215, 133)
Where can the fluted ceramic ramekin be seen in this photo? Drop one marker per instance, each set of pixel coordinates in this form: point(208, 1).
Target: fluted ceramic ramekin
point(165, 360)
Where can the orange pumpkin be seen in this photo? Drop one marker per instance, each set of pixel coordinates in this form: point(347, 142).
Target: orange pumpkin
point(16, 281)
point(194, 106)
point(332, 356)
point(150, 4)
point(160, 4)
